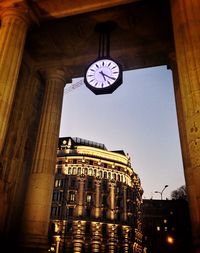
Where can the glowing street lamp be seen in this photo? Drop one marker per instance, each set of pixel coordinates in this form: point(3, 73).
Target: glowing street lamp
point(170, 239)
point(161, 193)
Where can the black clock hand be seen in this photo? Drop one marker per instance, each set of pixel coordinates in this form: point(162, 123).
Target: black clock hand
point(101, 72)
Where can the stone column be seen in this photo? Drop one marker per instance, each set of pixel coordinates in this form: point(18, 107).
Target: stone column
point(80, 200)
point(112, 230)
point(124, 203)
point(78, 236)
point(97, 207)
point(125, 244)
point(14, 25)
point(96, 237)
point(39, 193)
point(111, 211)
point(186, 20)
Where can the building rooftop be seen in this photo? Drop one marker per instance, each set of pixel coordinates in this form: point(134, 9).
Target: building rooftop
point(76, 141)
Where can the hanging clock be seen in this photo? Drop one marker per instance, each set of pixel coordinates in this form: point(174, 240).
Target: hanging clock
point(103, 75)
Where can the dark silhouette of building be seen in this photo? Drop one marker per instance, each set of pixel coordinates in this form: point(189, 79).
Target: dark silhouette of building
point(166, 226)
point(97, 200)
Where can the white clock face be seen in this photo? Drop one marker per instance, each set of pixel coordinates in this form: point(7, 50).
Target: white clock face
point(102, 73)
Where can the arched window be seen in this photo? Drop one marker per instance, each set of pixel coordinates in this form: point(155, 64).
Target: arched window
point(105, 175)
point(74, 171)
point(109, 175)
point(90, 172)
point(100, 174)
point(79, 170)
point(118, 177)
point(69, 170)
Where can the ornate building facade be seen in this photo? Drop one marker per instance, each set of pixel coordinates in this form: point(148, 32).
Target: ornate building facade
point(97, 200)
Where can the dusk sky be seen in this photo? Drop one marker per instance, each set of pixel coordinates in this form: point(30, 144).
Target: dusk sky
point(139, 118)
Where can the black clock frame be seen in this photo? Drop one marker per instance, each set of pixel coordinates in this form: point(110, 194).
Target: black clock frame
point(105, 90)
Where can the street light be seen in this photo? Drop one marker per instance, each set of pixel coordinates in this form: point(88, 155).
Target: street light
point(161, 193)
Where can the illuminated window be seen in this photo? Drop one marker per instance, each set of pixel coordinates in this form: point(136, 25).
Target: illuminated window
point(158, 228)
point(71, 196)
point(58, 183)
point(89, 198)
point(165, 221)
point(79, 171)
point(69, 170)
point(165, 228)
point(100, 174)
point(90, 172)
point(74, 171)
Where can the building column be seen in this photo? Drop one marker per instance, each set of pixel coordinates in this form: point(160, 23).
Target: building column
point(125, 243)
point(111, 243)
point(78, 236)
point(14, 25)
point(40, 187)
point(96, 237)
point(124, 203)
point(186, 19)
point(97, 207)
point(80, 201)
point(111, 211)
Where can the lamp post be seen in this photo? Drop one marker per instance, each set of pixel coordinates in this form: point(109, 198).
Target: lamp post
point(161, 193)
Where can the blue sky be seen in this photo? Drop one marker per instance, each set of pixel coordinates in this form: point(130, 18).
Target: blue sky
point(140, 118)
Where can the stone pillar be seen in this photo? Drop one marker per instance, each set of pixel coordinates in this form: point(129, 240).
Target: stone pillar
point(96, 237)
point(97, 207)
point(125, 244)
point(124, 203)
point(14, 25)
point(111, 243)
point(78, 236)
point(80, 200)
point(111, 211)
point(186, 20)
point(39, 193)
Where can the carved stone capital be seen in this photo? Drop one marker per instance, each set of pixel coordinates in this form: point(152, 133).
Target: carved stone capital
point(56, 74)
point(18, 12)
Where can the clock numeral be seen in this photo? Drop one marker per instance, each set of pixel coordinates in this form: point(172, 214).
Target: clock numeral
point(97, 65)
point(103, 63)
point(109, 64)
point(115, 72)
